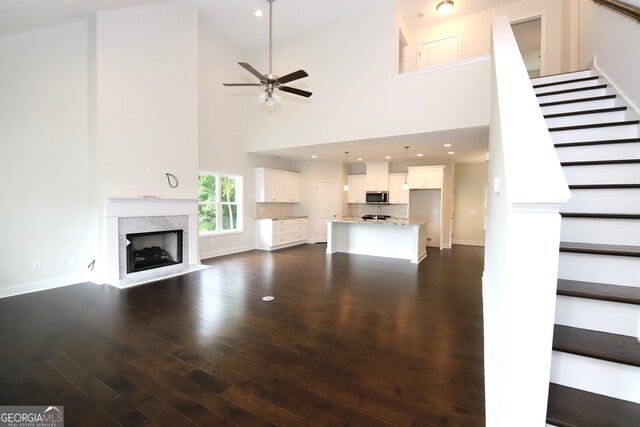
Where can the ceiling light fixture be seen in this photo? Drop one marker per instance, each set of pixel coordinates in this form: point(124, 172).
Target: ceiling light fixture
point(387, 157)
point(258, 13)
point(452, 152)
point(346, 185)
point(419, 155)
point(444, 7)
point(405, 186)
point(359, 159)
point(314, 157)
point(447, 145)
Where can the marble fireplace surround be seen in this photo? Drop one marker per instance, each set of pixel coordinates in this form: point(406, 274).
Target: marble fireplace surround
point(140, 215)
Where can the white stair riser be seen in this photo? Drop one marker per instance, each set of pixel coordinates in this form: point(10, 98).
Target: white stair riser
point(604, 316)
point(578, 106)
point(597, 201)
point(597, 376)
point(599, 152)
point(601, 231)
point(573, 95)
point(613, 270)
point(595, 134)
point(586, 119)
point(603, 174)
point(564, 86)
point(561, 77)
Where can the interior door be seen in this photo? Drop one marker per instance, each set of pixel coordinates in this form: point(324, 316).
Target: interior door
point(439, 52)
point(326, 207)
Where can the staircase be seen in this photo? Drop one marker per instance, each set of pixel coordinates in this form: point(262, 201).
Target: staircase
point(595, 371)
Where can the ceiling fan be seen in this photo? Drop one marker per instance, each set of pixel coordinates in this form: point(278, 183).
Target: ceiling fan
point(270, 81)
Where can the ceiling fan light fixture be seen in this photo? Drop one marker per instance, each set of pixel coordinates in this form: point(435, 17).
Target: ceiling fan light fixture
point(444, 7)
point(263, 96)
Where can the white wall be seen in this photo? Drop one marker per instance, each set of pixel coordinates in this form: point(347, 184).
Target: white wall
point(44, 167)
point(147, 100)
point(614, 40)
point(469, 203)
point(356, 92)
point(476, 30)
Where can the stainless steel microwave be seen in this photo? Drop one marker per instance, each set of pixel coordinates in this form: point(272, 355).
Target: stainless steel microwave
point(377, 197)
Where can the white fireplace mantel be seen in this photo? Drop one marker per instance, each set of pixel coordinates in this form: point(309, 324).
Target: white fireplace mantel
point(119, 208)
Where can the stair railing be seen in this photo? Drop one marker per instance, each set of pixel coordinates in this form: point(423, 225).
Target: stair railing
point(526, 188)
point(621, 7)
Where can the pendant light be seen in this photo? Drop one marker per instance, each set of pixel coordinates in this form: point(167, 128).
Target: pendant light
point(405, 186)
point(346, 185)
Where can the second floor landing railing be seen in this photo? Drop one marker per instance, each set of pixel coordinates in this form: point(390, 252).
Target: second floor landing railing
point(622, 7)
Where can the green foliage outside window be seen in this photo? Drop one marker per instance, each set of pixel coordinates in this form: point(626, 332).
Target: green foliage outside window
point(218, 210)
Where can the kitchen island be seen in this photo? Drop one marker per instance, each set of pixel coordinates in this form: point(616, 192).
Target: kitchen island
point(391, 238)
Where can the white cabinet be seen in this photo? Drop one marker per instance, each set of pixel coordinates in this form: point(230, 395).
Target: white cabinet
point(279, 233)
point(277, 186)
point(377, 176)
point(291, 188)
point(397, 196)
point(357, 189)
point(425, 177)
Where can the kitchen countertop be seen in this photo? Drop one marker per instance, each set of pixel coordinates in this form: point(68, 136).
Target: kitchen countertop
point(389, 221)
point(282, 217)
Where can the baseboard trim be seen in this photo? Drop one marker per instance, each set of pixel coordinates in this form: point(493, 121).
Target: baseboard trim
point(469, 242)
point(42, 285)
point(226, 251)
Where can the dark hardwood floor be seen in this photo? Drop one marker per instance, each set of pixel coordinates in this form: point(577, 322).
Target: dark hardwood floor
point(348, 340)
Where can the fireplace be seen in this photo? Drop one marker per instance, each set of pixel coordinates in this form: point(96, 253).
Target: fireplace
point(146, 251)
point(161, 233)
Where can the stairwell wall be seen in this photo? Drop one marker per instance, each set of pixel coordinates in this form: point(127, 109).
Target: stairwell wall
point(614, 40)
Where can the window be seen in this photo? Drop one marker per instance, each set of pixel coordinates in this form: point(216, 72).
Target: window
point(220, 199)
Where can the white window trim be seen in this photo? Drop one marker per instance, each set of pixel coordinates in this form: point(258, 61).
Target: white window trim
point(220, 204)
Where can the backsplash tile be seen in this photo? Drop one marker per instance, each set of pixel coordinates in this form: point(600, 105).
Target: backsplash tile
point(356, 210)
point(273, 210)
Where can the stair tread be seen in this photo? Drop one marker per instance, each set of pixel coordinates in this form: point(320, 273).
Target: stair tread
point(599, 215)
point(601, 162)
point(560, 82)
point(578, 89)
point(572, 407)
point(582, 112)
point(560, 74)
point(603, 186)
point(571, 101)
point(599, 291)
point(600, 249)
point(598, 345)
point(597, 142)
point(595, 125)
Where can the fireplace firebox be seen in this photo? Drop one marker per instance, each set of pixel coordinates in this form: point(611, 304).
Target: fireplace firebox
point(156, 249)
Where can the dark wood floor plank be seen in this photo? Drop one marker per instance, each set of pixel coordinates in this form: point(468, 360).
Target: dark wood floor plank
point(349, 339)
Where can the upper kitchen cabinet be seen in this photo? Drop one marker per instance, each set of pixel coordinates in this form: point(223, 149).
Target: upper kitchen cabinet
point(276, 186)
point(378, 176)
point(425, 177)
point(397, 195)
point(357, 188)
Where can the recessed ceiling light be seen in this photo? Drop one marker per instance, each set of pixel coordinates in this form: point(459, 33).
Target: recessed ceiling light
point(419, 155)
point(452, 152)
point(258, 13)
point(421, 14)
point(387, 157)
point(314, 157)
point(447, 145)
point(360, 159)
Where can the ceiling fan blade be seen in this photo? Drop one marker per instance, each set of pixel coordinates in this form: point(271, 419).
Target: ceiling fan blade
point(252, 70)
point(295, 91)
point(300, 74)
point(241, 84)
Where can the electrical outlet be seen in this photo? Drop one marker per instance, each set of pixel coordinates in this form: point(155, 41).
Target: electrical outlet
point(37, 265)
point(429, 239)
point(68, 262)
